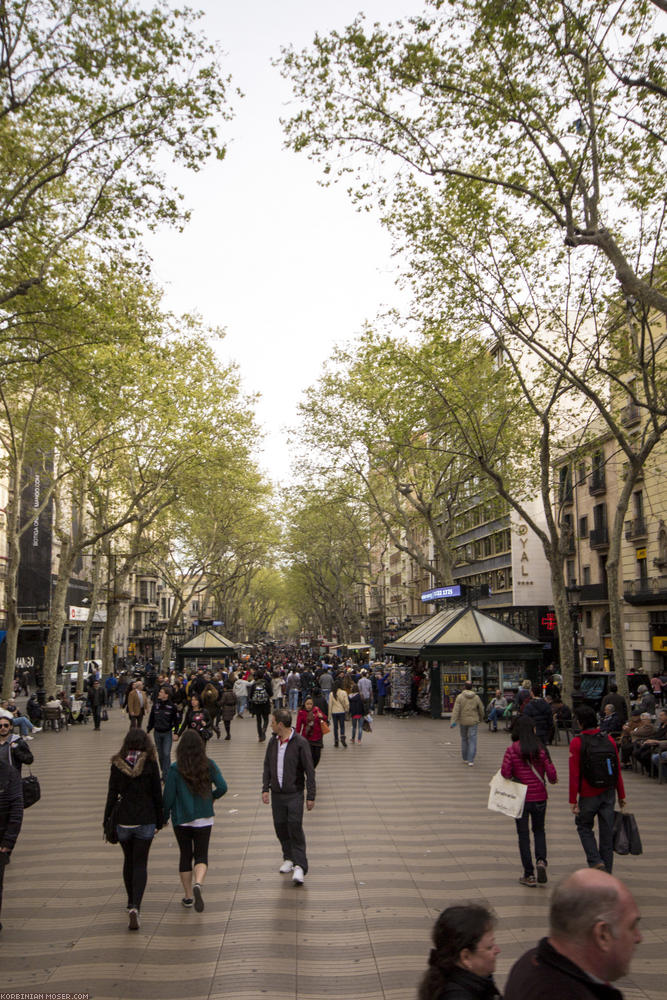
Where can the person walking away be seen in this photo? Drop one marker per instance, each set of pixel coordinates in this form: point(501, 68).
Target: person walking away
point(356, 713)
point(163, 719)
point(134, 787)
point(539, 710)
point(496, 709)
point(593, 932)
point(193, 783)
point(595, 781)
point(241, 692)
point(527, 761)
point(96, 702)
point(326, 682)
point(227, 708)
point(339, 704)
point(209, 699)
point(11, 816)
point(136, 704)
point(288, 764)
point(293, 689)
point(259, 699)
point(463, 957)
point(309, 725)
point(366, 691)
point(110, 688)
point(468, 712)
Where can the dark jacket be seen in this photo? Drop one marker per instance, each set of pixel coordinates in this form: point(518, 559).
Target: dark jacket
point(228, 705)
point(544, 974)
point(356, 705)
point(11, 805)
point(540, 712)
point(464, 985)
point(97, 697)
point(140, 789)
point(163, 717)
point(297, 767)
point(198, 719)
point(620, 706)
point(19, 753)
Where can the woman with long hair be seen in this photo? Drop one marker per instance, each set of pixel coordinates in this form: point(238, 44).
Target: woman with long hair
point(193, 782)
point(135, 792)
point(309, 725)
point(527, 761)
point(356, 713)
point(196, 717)
point(339, 704)
point(463, 957)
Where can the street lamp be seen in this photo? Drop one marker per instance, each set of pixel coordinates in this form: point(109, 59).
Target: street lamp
point(573, 599)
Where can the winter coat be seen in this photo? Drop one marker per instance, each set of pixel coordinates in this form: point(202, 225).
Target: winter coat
point(465, 985)
point(163, 717)
point(140, 790)
point(468, 709)
point(356, 706)
point(540, 712)
point(11, 806)
point(315, 734)
point(516, 766)
point(18, 753)
point(228, 705)
point(543, 972)
point(339, 703)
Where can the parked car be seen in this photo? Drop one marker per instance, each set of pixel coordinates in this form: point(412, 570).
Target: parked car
point(70, 673)
point(595, 685)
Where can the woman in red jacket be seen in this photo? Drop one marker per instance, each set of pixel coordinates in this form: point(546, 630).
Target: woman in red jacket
point(309, 724)
point(527, 761)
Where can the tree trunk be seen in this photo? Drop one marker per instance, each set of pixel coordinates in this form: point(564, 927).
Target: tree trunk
point(68, 556)
point(613, 582)
point(11, 583)
point(88, 624)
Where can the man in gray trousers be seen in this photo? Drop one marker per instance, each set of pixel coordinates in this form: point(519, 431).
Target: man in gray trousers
point(288, 765)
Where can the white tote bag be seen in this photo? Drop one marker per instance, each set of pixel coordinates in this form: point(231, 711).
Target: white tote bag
point(507, 797)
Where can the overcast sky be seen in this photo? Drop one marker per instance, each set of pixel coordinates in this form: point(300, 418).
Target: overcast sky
point(286, 267)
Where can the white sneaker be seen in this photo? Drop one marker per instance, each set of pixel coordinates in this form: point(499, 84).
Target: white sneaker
point(286, 867)
point(37, 729)
point(298, 875)
point(27, 737)
point(471, 763)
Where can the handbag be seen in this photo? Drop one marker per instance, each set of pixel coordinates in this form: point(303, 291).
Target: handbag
point(626, 834)
point(111, 822)
point(506, 797)
point(31, 790)
point(325, 727)
point(105, 715)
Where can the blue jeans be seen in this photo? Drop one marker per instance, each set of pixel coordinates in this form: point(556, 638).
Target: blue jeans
point(24, 724)
point(356, 728)
point(468, 742)
point(535, 812)
point(339, 725)
point(602, 806)
point(494, 715)
point(241, 703)
point(293, 695)
point(163, 743)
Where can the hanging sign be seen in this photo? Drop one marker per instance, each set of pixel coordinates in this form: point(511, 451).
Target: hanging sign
point(441, 592)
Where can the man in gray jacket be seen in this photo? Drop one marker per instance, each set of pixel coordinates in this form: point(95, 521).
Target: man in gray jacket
point(288, 763)
point(468, 713)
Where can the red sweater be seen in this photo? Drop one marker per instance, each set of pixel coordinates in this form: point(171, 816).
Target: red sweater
point(516, 766)
point(587, 791)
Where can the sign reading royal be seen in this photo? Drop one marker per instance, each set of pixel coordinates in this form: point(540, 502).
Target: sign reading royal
point(441, 592)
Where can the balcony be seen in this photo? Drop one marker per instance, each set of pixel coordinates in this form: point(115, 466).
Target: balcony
point(599, 538)
point(630, 414)
point(598, 484)
point(593, 592)
point(651, 590)
point(635, 529)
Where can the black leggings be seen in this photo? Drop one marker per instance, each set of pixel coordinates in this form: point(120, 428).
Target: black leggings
point(135, 868)
point(193, 844)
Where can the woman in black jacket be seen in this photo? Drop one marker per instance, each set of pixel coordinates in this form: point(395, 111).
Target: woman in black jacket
point(11, 815)
point(463, 959)
point(197, 718)
point(135, 792)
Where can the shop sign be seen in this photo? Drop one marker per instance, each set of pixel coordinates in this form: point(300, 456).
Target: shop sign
point(78, 614)
point(441, 592)
point(660, 643)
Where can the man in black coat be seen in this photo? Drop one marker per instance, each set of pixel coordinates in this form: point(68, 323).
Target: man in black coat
point(539, 710)
point(593, 932)
point(11, 816)
point(288, 764)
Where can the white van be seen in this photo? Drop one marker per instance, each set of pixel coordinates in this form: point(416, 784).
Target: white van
point(71, 671)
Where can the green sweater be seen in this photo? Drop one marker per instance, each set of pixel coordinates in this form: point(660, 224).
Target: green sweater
point(181, 804)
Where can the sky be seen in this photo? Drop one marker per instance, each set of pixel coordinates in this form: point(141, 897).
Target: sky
point(286, 267)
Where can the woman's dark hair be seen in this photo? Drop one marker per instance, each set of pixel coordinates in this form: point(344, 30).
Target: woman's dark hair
point(523, 730)
point(137, 739)
point(338, 685)
point(457, 928)
point(198, 697)
point(193, 764)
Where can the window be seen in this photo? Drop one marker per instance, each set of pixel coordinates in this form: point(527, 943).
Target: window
point(637, 660)
point(638, 501)
point(194, 607)
point(581, 473)
point(583, 527)
point(589, 619)
point(642, 569)
point(570, 573)
point(587, 575)
point(565, 484)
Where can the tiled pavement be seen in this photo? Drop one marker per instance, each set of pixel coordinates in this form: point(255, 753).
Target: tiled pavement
point(400, 830)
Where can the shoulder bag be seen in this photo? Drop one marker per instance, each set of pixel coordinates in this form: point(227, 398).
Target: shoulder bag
point(31, 790)
point(507, 797)
point(111, 822)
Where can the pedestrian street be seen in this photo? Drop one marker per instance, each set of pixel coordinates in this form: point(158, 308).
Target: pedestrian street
point(400, 830)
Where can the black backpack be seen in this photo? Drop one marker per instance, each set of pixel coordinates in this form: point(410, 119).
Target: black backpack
point(260, 695)
point(598, 761)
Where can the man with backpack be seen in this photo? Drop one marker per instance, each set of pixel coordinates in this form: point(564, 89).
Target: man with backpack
point(595, 780)
point(259, 695)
